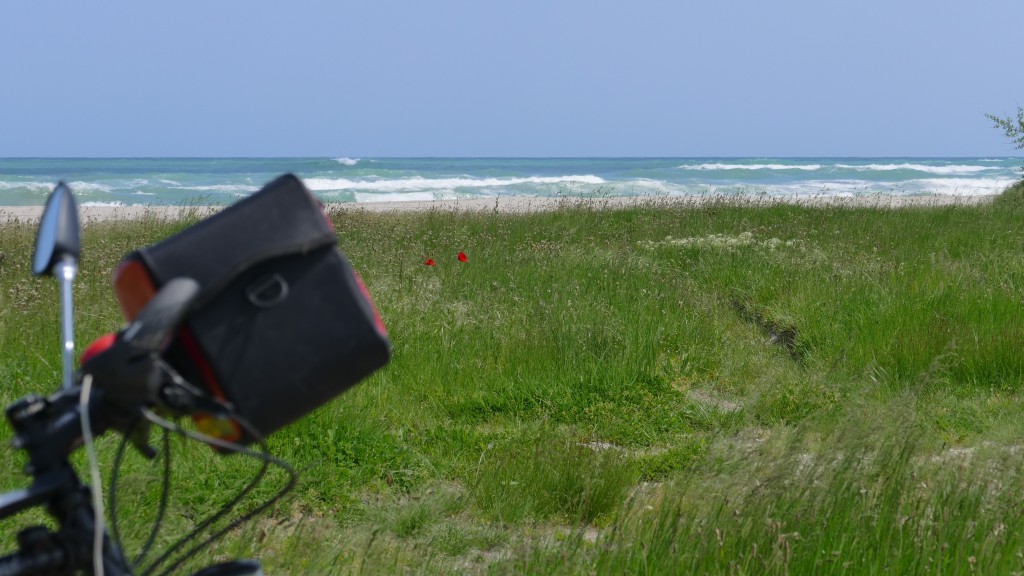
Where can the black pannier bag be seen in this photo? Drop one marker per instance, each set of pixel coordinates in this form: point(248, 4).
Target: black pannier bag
point(282, 323)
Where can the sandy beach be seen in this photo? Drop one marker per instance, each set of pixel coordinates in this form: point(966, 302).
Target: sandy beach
point(516, 204)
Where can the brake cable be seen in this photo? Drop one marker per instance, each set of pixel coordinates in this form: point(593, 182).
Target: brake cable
point(263, 455)
point(94, 473)
point(164, 493)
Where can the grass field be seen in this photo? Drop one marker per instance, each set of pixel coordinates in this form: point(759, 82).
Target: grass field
point(654, 390)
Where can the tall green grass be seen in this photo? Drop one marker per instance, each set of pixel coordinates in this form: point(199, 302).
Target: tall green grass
point(660, 389)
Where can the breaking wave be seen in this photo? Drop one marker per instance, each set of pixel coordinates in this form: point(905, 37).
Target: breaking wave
point(421, 184)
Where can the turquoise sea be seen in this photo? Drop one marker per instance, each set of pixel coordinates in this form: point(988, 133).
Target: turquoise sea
point(171, 181)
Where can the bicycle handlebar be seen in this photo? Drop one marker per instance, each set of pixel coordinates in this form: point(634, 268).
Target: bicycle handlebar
point(130, 378)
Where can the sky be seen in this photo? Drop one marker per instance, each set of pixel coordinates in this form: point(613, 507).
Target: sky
point(538, 78)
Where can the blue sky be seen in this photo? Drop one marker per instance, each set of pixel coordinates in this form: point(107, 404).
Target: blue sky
point(524, 78)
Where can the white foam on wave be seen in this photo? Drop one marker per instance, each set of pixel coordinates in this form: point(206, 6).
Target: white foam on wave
point(133, 183)
point(347, 161)
point(950, 169)
point(804, 188)
point(80, 186)
point(221, 188)
point(105, 204)
point(396, 197)
point(959, 186)
point(34, 186)
point(140, 193)
point(654, 186)
point(852, 188)
point(807, 167)
point(419, 184)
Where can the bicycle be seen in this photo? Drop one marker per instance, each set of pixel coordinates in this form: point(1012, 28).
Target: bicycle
point(123, 385)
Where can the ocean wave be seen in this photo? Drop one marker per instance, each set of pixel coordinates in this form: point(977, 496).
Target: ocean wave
point(800, 188)
point(220, 188)
point(807, 167)
point(80, 186)
point(133, 183)
point(105, 204)
point(658, 185)
point(34, 186)
point(849, 188)
point(655, 186)
point(167, 183)
point(951, 169)
point(959, 186)
point(396, 197)
point(420, 184)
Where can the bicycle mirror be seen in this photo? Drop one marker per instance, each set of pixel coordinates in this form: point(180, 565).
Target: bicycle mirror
point(58, 234)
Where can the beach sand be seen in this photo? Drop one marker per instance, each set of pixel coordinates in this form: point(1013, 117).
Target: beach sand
point(513, 204)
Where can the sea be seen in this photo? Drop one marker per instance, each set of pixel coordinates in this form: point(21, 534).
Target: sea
point(221, 181)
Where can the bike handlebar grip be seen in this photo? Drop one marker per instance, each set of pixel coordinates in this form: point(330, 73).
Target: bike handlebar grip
point(45, 562)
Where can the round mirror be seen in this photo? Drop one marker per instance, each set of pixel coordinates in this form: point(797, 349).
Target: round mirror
point(58, 234)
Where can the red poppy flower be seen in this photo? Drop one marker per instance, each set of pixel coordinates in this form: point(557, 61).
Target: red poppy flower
point(430, 262)
point(463, 257)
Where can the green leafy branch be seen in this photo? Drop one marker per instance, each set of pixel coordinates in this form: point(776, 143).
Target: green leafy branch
point(1014, 129)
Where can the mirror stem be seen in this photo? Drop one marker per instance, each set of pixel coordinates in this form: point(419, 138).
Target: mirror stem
point(67, 268)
